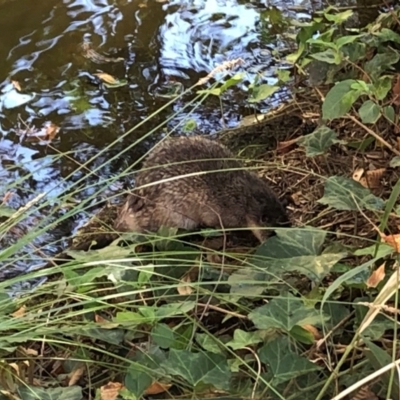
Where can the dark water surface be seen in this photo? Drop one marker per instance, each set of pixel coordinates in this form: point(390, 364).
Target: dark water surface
point(161, 43)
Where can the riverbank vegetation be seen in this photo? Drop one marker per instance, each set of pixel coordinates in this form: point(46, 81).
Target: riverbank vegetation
point(309, 314)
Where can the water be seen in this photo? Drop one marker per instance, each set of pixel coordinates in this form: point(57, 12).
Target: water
point(161, 44)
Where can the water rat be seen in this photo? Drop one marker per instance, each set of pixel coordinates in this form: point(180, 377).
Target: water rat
point(216, 191)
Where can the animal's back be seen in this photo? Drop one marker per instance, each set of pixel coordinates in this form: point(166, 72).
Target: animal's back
point(196, 182)
point(189, 156)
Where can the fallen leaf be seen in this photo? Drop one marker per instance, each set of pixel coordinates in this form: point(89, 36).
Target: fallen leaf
point(7, 197)
point(105, 323)
point(20, 312)
point(357, 174)
point(392, 240)
point(187, 289)
point(374, 176)
point(76, 374)
point(313, 330)
point(106, 77)
point(376, 277)
point(28, 351)
point(110, 391)
point(16, 85)
point(396, 91)
point(47, 133)
point(157, 388)
point(286, 146)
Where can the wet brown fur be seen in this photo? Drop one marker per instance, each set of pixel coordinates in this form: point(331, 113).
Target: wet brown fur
point(221, 198)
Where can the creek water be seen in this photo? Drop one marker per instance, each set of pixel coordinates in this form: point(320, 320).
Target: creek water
point(45, 79)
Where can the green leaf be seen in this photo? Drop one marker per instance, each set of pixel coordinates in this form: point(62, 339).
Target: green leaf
point(173, 309)
point(298, 250)
point(319, 141)
point(137, 379)
point(27, 392)
point(339, 100)
point(369, 112)
point(338, 313)
point(283, 362)
point(387, 35)
point(302, 335)
point(294, 242)
point(6, 211)
point(144, 368)
point(237, 78)
point(339, 18)
point(395, 162)
point(118, 83)
point(163, 336)
point(249, 283)
point(329, 56)
point(145, 275)
point(354, 51)
point(378, 326)
point(208, 343)
point(262, 92)
point(382, 251)
point(382, 87)
point(347, 194)
point(242, 339)
point(283, 75)
point(196, 368)
point(362, 145)
point(294, 57)
point(344, 40)
point(361, 87)
point(284, 313)
point(381, 62)
point(389, 113)
point(189, 126)
point(130, 318)
point(321, 42)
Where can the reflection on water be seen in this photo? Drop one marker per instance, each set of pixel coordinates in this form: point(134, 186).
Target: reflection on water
point(159, 42)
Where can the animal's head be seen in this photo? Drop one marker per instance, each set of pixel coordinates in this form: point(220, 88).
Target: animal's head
point(126, 220)
point(266, 210)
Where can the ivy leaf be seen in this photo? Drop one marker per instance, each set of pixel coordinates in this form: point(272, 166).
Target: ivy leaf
point(344, 40)
point(369, 112)
point(262, 92)
point(387, 35)
point(395, 162)
point(6, 211)
point(163, 336)
point(319, 141)
point(284, 363)
point(285, 312)
point(380, 63)
point(389, 113)
point(27, 392)
point(329, 56)
point(298, 250)
point(208, 343)
point(173, 309)
point(339, 100)
point(345, 194)
point(242, 339)
point(338, 17)
point(198, 368)
point(382, 87)
point(144, 369)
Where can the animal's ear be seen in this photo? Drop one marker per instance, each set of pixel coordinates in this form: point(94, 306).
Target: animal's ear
point(135, 203)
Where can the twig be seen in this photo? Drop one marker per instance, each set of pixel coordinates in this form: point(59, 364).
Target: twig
point(375, 135)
